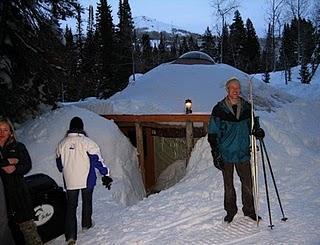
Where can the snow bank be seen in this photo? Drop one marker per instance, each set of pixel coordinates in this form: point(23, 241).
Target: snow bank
point(171, 175)
point(309, 92)
point(42, 135)
point(191, 212)
point(165, 88)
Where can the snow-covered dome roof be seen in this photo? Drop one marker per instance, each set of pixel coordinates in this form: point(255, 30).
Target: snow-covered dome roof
point(194, 57)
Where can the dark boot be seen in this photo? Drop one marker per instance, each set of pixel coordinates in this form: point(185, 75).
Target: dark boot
point(30, 233)
point(228, 218)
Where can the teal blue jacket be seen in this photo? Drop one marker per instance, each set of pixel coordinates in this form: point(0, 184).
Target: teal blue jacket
point(228, 135)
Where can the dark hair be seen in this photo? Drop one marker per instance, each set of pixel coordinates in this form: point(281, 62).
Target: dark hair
point(76, 126)
point(76, 123)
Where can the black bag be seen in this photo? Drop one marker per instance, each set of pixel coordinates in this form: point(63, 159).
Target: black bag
point(49, 202)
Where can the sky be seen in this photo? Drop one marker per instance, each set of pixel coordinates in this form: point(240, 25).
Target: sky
point(192, 15)
point(191, 210)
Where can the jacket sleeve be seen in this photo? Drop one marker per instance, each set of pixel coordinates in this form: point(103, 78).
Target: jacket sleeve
point(58, 159)
point(3, 161)
point(24, 165)
point(59, 164)
point(213, 131)
point(96, 159)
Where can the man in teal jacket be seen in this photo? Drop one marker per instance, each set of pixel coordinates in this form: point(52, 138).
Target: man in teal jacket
point(229, 138)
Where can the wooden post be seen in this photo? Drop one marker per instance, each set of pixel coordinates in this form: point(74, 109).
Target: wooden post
point(149, 164)
point(205, 127)
point(189, 138)
point(140, 149)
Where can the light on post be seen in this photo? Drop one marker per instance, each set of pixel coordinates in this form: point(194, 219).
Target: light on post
point(188, 104)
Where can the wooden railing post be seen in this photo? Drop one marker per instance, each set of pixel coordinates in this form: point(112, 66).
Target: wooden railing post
point(205, 127)
point(140, 149)
point(189, 138)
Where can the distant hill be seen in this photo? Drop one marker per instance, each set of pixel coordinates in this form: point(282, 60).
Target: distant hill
point(153, 27)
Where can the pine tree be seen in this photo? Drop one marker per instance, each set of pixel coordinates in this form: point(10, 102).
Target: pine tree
point(292, 45)
point(237, 41)
point(69, 87)
point(146, 54)
point(184, 48)
point(317, 49)
point(163, 52)
point(193, 45)
point(155, 55)
point(89, 74)
point(79, 40)
point(49, 79)
point(267, 57)
point(31, 49)
point(124, 44)
point(208, 45)
point(226, 49)
point(308, 39)
point(104, 36)
point(174, 48)
point(252, 49)
point(315, 58)
point(287, 59)
point(304, 73)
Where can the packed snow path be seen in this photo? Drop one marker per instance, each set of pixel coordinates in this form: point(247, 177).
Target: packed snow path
point(191, 212)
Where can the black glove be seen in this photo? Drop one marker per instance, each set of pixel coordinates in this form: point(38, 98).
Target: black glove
point(107, 181)
point(258, 133)
point(217, 160)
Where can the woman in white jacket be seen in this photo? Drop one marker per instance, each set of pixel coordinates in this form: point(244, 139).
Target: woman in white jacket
point(77, 158)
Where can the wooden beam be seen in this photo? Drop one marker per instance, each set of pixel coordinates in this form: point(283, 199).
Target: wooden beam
point(159, 117)
point(140, 149)
point(155, 125)
point(189, 138)
point(149, 160)
point(205, 127)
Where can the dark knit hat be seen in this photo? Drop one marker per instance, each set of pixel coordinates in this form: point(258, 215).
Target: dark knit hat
point(76, 123)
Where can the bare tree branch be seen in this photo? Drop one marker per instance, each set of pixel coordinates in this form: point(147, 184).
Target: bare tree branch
point(223, 8)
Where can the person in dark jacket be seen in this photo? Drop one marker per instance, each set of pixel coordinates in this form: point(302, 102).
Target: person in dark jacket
point(77, 158)
point(229, 137)
point(15, 162)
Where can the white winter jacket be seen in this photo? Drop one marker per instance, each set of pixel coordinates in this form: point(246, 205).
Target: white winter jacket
point(77, 158)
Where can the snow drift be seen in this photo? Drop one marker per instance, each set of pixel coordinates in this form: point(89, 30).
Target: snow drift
point(42, 135)
point(165, 88)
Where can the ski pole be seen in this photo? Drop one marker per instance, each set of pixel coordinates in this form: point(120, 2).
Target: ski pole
point(274, 182)
point(266, 183)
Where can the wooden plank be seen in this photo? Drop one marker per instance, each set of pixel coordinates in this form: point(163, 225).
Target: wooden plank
point(189, 138)
point(149, 160)
point(205, 127)
point(159, 117)
point(140, 149)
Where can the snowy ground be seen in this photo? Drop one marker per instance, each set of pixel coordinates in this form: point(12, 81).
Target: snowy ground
point(191, 212)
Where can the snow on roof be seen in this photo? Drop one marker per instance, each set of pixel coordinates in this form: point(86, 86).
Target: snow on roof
point(165, 88)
